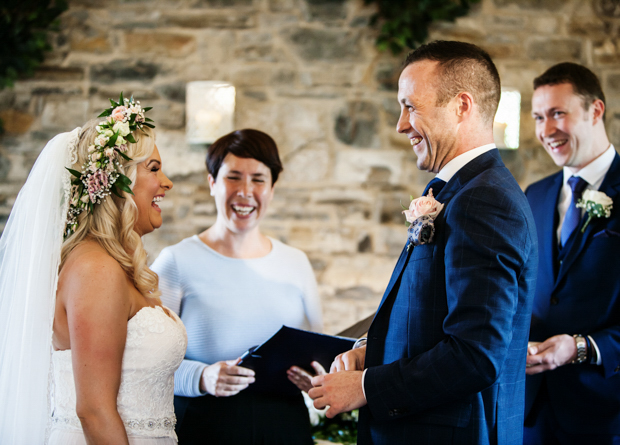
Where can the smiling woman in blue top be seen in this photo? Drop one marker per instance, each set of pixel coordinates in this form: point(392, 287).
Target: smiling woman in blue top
point(234, 287)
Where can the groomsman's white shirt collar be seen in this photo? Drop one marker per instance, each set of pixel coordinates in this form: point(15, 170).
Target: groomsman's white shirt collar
point(452, 167)
point(593, 174)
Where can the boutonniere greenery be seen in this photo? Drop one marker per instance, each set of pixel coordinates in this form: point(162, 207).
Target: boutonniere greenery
point(597, 204)
point(421, 216)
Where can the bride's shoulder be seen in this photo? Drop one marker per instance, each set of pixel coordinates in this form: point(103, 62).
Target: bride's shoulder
point(89, 264)
point(90, 255)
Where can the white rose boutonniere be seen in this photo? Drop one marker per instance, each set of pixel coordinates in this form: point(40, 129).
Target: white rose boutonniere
point(421, 215)
point(597, 204)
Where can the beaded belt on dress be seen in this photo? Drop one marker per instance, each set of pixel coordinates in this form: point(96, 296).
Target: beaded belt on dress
point(164, 423)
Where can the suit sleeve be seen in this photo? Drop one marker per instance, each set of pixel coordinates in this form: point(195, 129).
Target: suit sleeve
point(487, 243)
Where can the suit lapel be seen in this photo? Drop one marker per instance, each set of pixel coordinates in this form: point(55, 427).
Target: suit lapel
point(577, 242)
point(400, 264)
point(469, 171)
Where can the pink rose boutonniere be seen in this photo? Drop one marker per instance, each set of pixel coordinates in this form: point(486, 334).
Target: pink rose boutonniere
point(421, 216)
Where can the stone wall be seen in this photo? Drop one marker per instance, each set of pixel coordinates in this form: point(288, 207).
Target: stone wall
point(306, 72)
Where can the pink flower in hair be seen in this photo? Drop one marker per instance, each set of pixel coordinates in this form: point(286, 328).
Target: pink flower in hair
point(119, 114)
point(97, 182)
point(123, 147)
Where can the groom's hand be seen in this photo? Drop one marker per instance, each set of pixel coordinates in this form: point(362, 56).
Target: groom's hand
point(352, 360)
point(342, 391)
point(554, 352)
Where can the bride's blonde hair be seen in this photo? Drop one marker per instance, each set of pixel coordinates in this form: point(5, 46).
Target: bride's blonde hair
point(112, 221)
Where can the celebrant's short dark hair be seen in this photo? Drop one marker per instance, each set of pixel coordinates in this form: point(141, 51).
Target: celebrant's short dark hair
point(247, 143)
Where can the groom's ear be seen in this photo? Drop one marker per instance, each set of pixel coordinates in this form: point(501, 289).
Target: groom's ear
point(464, 105)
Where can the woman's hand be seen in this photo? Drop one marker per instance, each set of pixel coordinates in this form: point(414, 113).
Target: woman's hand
point(301, 378)
point(225, 378)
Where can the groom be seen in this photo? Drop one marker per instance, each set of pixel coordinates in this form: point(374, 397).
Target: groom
point(445, 358)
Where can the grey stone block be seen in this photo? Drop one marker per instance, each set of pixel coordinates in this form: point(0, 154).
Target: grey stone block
point(387, 74)
point(612, 86)
point(357, 124)
point(326, 10)
point(324, 44)
point(123, 70)
point(172, 91)
point(224, 3)
point(5, 167)
point(549, 5)
point(556, 49)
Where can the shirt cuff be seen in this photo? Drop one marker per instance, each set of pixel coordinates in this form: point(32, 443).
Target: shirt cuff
point(599, 359)
point(363, 389)
point(187, 378)
point(197, 378)
point(358, 344)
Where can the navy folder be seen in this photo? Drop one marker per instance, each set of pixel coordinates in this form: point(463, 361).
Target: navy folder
point(290, 347)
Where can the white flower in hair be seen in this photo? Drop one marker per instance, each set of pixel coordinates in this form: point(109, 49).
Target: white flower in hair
point(122, 128)
point(101, 173)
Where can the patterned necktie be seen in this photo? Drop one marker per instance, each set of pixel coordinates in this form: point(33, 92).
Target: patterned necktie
point(436, 184)
point(573, 214)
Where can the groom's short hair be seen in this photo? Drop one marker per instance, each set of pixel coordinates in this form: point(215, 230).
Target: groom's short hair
point(462, 67)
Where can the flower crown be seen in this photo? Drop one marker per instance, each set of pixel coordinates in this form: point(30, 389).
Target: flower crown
point(101, 173)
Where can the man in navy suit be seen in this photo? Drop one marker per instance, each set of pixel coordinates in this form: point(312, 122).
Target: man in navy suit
point(573, 383)
point(445, 357)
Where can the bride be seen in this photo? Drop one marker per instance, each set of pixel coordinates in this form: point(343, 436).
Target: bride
point(87, 352)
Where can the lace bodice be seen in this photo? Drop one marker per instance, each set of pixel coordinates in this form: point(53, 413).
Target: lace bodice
point(154, 349)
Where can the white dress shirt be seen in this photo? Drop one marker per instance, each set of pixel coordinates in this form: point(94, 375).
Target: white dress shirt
point(452, 167)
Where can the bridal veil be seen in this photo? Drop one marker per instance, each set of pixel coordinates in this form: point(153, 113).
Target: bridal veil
point(29, 259)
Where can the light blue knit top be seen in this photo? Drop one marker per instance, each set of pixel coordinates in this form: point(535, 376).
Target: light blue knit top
point(230, 304)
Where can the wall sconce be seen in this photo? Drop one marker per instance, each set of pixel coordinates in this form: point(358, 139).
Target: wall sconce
point(210, 109)
point(507, 119)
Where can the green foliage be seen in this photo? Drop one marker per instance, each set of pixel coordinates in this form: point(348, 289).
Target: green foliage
point(340, 429)
point(23, 32)
point(404, 23)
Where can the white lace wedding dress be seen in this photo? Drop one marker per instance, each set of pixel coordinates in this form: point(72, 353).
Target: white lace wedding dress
point(155, 347)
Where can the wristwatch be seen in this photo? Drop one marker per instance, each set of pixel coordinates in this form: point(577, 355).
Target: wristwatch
point(582, 350)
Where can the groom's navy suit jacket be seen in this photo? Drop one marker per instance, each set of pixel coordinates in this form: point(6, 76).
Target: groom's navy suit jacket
point(578, 292)
point(446, 351)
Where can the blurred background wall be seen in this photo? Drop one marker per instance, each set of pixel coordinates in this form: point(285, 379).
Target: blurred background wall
point(307, 72)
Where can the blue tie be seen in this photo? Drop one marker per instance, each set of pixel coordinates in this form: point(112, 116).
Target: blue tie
point(573, 214)
point(436, 184)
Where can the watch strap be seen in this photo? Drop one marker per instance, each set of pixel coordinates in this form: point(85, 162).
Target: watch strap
point(582, 349)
